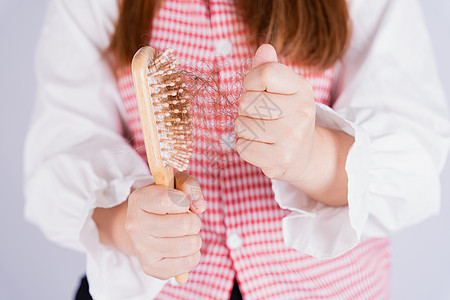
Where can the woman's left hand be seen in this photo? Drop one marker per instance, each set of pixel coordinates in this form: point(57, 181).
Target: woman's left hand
point(276, 123)
point(276, 130)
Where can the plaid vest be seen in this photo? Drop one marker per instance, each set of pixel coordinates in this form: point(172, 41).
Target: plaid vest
point(241, 229)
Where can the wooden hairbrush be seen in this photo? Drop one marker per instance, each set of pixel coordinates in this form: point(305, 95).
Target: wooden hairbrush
point(164, 112)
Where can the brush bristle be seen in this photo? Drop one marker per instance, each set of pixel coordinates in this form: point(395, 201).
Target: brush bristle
point(171, 107)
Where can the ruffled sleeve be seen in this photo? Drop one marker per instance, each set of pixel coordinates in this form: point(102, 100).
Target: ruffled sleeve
point(388, 96)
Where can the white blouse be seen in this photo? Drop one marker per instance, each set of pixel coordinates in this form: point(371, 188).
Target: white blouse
point(386, 94)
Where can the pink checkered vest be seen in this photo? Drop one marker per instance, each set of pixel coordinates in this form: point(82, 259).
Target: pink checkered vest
point(241, 231)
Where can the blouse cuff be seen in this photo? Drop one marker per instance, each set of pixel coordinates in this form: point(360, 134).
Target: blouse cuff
point(111, 273)
point(319, 230)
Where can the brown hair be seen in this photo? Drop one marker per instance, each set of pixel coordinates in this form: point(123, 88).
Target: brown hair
point(312, 33)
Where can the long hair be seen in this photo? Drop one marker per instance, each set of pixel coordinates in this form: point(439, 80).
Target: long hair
point(311, 33)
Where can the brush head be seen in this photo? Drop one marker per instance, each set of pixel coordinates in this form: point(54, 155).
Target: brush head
point(171, 105)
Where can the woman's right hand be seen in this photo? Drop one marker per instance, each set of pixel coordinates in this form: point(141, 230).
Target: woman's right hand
point(163, 226)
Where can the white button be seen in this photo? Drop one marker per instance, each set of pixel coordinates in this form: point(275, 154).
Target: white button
point(223, 47)
point(234, 241)
point(228, 141)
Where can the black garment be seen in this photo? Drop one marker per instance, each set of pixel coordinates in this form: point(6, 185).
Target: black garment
point(83, 291)
point(236, 293)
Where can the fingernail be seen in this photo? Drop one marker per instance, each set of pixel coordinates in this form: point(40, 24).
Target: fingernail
point(199, 202)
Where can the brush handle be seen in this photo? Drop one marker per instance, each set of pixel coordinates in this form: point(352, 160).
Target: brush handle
point(162, 175)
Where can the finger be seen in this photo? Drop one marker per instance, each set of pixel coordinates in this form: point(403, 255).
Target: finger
point(174, 266)
point(190, 186)
point(160, 199)
point(266, 131)
point(274, 78)
point(175, 246)
point(255, 153)
point(172, 225)
point(265, 53)
point(268, 106)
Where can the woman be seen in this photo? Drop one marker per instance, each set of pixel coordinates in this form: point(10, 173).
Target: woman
point(329, 179)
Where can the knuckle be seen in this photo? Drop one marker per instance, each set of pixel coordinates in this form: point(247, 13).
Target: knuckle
point(243, 97)
point(307, 113)
point(196, 259)
point(189, 245)
point(241, 104)
point(192, 260)
point(188, 223)
point(243, 148)
point(194, 243)
point(237, 124)
point(199, 242)
point(265, 74)
point(196, 224)
point(245, 102)
point(310, 110)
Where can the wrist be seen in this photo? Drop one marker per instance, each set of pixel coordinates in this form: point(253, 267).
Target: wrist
point(316, 166)
point(111, 227)
point(325, 178)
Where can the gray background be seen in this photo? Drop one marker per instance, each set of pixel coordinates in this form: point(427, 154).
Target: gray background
point(33, 268)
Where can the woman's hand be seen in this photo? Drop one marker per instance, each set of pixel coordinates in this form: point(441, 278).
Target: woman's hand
point(276, 122)
point(164, 228)
point(159, 226)
point(277, 132)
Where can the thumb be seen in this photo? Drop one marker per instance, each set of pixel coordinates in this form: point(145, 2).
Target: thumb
point(190, 186)
point(265, 53)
